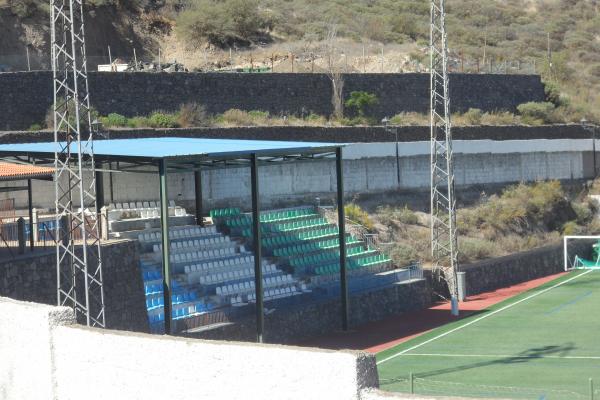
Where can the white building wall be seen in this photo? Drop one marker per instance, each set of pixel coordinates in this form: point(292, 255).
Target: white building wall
point(368, 167)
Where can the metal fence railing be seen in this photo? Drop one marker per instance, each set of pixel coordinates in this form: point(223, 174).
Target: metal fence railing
point(18, 235)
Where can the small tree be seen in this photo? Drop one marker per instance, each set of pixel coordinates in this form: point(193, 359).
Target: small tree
point(334, 73)
point(362, 102)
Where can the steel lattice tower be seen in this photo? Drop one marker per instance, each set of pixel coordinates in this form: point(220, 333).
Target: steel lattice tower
point(444, 243)
point(79, 266)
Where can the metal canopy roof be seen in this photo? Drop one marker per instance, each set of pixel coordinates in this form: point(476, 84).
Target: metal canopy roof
point(176, 149)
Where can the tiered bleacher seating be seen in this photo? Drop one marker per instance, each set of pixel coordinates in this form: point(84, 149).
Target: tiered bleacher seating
point(213, 273)
point(304, 242)
point(210, 272)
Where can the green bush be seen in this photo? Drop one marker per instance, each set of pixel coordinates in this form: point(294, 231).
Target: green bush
point(138, 122)
point(362, 102)
point(533, 113)
point(571, 228)
point(552, 92)
point(223, 23)
point(258, 114)
point(521, 209)
point(402, 254)
point(407, 216)
point(358, 215)
point(583, 212)
point(474, 116)
point(471, 249)
point(162, 120)
point(114, 119)
point(235, 117)
point(35, 127)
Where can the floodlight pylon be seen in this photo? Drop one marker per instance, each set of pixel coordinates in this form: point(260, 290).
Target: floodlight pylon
point(78, 255)
point(444, 241)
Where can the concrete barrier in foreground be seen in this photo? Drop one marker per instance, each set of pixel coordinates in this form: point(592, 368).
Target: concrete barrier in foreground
point(45, 355)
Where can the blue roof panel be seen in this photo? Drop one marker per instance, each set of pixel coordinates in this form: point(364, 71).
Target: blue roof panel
point(168, 147)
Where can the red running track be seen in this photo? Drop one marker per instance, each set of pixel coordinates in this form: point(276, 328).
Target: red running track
point(381, 335)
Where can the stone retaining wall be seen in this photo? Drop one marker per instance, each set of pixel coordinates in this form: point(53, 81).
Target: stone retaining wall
point(492, 274)
point(26, 96)
point(301, 323)
point(32, 277)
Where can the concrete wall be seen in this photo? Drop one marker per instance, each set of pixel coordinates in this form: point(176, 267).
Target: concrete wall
point(26, 97)
point(368, 168)
point(44, 356)
point(32, 277)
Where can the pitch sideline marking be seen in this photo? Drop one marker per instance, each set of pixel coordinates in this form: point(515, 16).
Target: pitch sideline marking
point(502, 356)
point(481, 318)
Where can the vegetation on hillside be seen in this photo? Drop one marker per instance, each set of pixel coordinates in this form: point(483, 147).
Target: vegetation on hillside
point(522, 217)
point(560, 37)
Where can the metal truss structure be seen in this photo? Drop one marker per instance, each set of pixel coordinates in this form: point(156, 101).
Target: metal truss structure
point(444, 242)
point(78, 258)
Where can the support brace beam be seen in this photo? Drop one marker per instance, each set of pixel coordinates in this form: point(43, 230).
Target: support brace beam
point(164, 225)
point(342, 228)
point(198, 197)
point(30, 209)
point(258, 279)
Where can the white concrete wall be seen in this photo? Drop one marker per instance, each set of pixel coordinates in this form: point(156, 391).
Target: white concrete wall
point(44, 356)
point(26, 357)
point(368, 167)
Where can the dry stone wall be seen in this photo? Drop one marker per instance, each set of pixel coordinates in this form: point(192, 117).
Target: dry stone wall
point(25, 97)
point(32, 277)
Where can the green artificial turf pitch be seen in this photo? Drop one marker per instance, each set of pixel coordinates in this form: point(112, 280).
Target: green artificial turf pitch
point(542, 344)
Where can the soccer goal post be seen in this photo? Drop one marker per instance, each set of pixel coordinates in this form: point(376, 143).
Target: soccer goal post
point(572, 260)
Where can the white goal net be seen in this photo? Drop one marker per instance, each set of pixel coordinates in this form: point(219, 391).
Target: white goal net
point(581, 252)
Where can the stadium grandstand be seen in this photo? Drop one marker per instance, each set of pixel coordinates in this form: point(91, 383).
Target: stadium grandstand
point(219, 271)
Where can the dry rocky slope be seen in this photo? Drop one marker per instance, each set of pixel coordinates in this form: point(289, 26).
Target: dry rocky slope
point(510, 35)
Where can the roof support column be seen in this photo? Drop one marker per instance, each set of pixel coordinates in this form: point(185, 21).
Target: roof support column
point(342, 232)
point(30, 209)
point(99, 182)
point(198, 197)
point(258, 278)
point(164, 225)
